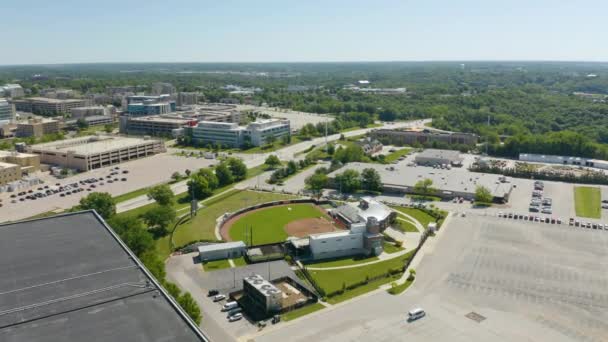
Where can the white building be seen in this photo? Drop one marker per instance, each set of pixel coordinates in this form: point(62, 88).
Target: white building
point(186, 99)
point(219, 251)
point(7, 112)
point(231, 134)
point(81, 112)
point(563, 160)
point(431, 157)
point(12, 90)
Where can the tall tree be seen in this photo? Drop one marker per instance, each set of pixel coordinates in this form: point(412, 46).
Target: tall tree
point(272, 161)
point(159, 218)
point(237, 168)
point(425, 187)
point(101, 202)
point(190, 306)
point(316, 183)
point(162, 194)
point(224, 175)
point(370, 180)
point(348, 181)
point(483, 194)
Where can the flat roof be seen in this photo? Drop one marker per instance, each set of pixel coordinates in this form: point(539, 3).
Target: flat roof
point(329, 235)
point(262, 285)
point(443, 154)
point(50, 100)
point(91, 144)
point(15, 154)
point(454, 180)
point(70, 278)
point(4, 165)
point(221, 246)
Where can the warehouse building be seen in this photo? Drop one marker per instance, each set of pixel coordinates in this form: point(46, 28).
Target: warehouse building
point(217, 251)
point(425, 136)
point(93, 152)
point(79, 282)
point(452, 183)
point(563, 160)
point(262, 294)
point(48, 106)
point(431, 157)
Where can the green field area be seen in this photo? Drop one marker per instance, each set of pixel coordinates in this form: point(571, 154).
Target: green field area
point(588, 201)
point(404, 226)
point(267, 224)
point(302, 311)
point(393, 156)
point(356, 260)
point(418, 214)
point(333, 280)
point(391, 248)
point(238, 262)
point(216, 265)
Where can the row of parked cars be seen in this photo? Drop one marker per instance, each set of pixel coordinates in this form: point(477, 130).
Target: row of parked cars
point(232, 308)
point(538, 203)
point(571, 222)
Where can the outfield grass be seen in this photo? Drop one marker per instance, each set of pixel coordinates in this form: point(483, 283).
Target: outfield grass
point(418, 214)
point(238, 262)
point(391, 248)
point(342, 262)
point(333, 280)
point(203, 224)
point(587, 201)
point(268, 224)
point(302, 311)
point(216, 265)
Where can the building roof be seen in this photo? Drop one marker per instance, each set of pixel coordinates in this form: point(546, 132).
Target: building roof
point(374, 209)
point(335, 234)
point(91, 144)
point(221, 246)
point(50, 100)
point(4, 165)
point(263, 286)
point(79, 282)
point(454, 180)
point(440, 154)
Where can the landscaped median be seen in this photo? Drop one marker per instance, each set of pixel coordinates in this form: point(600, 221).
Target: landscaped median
point(342, 284)
point(291, 315)
point(587, 201)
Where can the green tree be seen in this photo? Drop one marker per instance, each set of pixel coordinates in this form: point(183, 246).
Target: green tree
point(199, 187)
point(82, 124)
point(483, 194)
point(424, 186)
point(139, 240)
point(173, 290)
point(190, 306)
point(154, 265)
point(210, 176)
point(316, 183)
point(159, 218)
point(348, 181)
point(292, 167)
point(224, 175)
point(272, 161)
point(108, 128)
point(237, 168)
point(176, 176)
point(370, 180)
point(162, 194)
point(101, 202)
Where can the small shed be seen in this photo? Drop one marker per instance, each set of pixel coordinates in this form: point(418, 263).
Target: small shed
point(219, 251)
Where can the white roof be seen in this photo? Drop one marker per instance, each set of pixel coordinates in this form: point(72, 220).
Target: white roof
point(221, 246)
point(329, 235)
point(91, 144)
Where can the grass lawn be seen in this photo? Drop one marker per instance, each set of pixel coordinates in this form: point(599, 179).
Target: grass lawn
point(587, 201)
point(203, 224)
point(216, 265)
point(393, 156)
point(302, 311)
point(342, 262)
point(404, 226)
point(391, 248)
point(418, 214)
point(397, 289)
point(129, 195)
point(332, 280)
point(371, 286)
point(268, 224)
point(238, 262)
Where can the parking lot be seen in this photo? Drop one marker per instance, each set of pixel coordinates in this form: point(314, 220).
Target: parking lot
point(141, 173)
point(484, 280)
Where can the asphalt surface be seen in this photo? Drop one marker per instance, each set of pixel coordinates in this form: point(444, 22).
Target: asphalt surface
point(526, 281)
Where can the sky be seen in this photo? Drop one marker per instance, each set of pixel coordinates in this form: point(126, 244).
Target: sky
point(67, 31)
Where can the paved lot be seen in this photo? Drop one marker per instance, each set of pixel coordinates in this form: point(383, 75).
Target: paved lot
point(529, 281)
point(297, 119)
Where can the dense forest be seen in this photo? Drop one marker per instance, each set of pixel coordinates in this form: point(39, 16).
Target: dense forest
point(514, 106)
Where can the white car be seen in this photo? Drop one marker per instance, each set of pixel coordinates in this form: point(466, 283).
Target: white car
point(219, 298)
point(235, 317)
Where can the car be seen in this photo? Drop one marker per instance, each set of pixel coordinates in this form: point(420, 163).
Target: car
point(500, 214)
point(604, 206)
point(102, 183)
point(546, 210)
point(558, 221)
point(219, 298)
point(123, 179)
point(510, 215)
point(571, 222)
point(604, 201)
point(588, 224)
point(415, 314)
point(594, 226)
point(235, 317)
point(213, 293)
point(13, 196)
point(14, 201)
point(552, 221)
point(62, 194)
point(229, 305)
point(125, 171)
point(110, 181)
point(577, 223)
point(93, 186)
point(534, 209)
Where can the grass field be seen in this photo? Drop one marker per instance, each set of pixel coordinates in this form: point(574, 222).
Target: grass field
point(332, 280)
point(216, 265)
point(203, 224)
point(404, 226)
point(391, 157)
point(418, 214)
point(238, 262)
point(391, 248)
point(342, 262)
point(302, 311)
point(267, 224)
point(587, 201)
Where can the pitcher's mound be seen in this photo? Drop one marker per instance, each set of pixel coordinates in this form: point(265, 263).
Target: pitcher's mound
point(307, 226)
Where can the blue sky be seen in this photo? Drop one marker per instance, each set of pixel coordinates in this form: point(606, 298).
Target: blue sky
point(66, 31)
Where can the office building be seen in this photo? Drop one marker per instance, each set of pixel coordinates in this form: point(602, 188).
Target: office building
point(91, 120)
point(25, 161)
point(12, 90)
point(82, 112)
point(37, 127)
point(232, 135)
point(430, 157)
point(138, 105)
point(73, 279)
point(217, 251)
point(422, 137)
point(7, 112)
point(9, 173)
point(186, 99)
point(163, 88)
point(92, 152)
point(155, 125)
point(48, 106)
point(262, 294)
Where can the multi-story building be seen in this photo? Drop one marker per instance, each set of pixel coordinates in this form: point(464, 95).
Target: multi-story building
point(9, 173)
point(156, 125)
point(7, 112)
point(232, 135)
point(92, 152)
point(411, 137)
point(185, 99)
point(95, 120)
point(37, 127)
point(47, 106)
point(12, 90)
point(163, 88)
point(58, 93)
point(27, 162)
point(150, 105)
point(81, 112)
point(262, 294)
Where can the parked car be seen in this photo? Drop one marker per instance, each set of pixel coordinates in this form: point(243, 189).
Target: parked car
point(219, 298)
point(229, 305)
point(235, 317)
point(415, 314)
point(212, 293)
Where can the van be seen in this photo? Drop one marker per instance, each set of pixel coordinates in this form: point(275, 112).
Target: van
point(415, 314)
point(229, 306)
